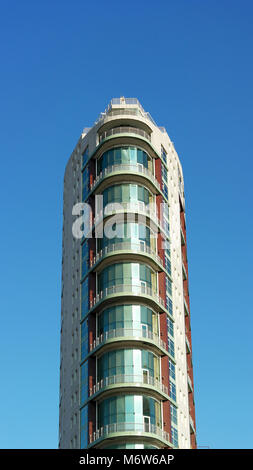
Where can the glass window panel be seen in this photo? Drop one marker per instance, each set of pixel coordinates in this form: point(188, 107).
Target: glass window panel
point(133, 155)
point(117, 156)
point(133, 192)
point(124, 156)
point(118, 279)
point(141, 193)
point(85, 156)
point(84, 382)
point(84, 297)
point(117, 193)
point(146, 406)
point(138, 409)
point(129, 408)
point(172, 370)
point(84, 427)
point(125, 193)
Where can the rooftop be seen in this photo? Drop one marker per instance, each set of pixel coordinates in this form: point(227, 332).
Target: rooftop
point(124, 105)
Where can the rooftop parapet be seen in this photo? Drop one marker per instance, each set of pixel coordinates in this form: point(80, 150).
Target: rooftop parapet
point(125, 106)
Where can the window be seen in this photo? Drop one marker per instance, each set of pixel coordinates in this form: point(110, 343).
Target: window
point(174, 436)
point(125, 193)
point(85, 156)
point(170, 326)
point(167, 250)
point(165, 189)
point(84, 382)
point(133, 235)
point(130, 317)
point(84, 427)
point(165, 219)
point(164, 173)
point(84, 297)
point(169, 305)
point(129, 364)
point(173, 414)
point(171, 347)
point(172, 370)
point(163, 155)
point(126, 273)
point(164, 181)
point(84, 339)
point(85, 258)
point(85, 182)
point(130, 410)
point(168, 286)
point(173, 391)
point(167, 264)
point(124, 156)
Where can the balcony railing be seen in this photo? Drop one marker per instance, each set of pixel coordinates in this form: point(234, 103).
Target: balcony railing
point(135, 289)
point(124, 112)
point(122, 102)
point(124, 130)
point(104, 431)
point(128, 379)
point(135, 207)
point(138, 168)
point(126, 246)
point(130, 333)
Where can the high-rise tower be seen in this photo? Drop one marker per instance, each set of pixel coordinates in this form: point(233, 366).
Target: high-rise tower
point(126, 378)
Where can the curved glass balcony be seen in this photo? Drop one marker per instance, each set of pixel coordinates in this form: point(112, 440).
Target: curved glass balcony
point(136, 207)
point(114, 430)
point(124, 130)
point(126, 168)
point(127, 192)
point(126, 246)
point(127, 289)
point(126, 112)
point(121, 379)
point(129, 316)
point(129, 333)
point(130, 232)
point(124, 155)
point(130, 445)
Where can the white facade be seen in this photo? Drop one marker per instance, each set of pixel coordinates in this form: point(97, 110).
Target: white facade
point(123, 114)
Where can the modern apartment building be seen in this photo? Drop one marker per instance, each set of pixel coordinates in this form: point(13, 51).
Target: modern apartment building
point(126, 376)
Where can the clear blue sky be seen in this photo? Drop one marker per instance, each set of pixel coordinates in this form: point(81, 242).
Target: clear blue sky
point(189, 62)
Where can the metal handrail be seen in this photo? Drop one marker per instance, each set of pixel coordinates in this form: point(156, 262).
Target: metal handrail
point(126, 101)
point(121, 246)
point(134, 206)
point(137, 167)
point(123, 379)
point(131, 288)
point(124, 112)
point(131, 427)
point(128, 332)
point(124, 130)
